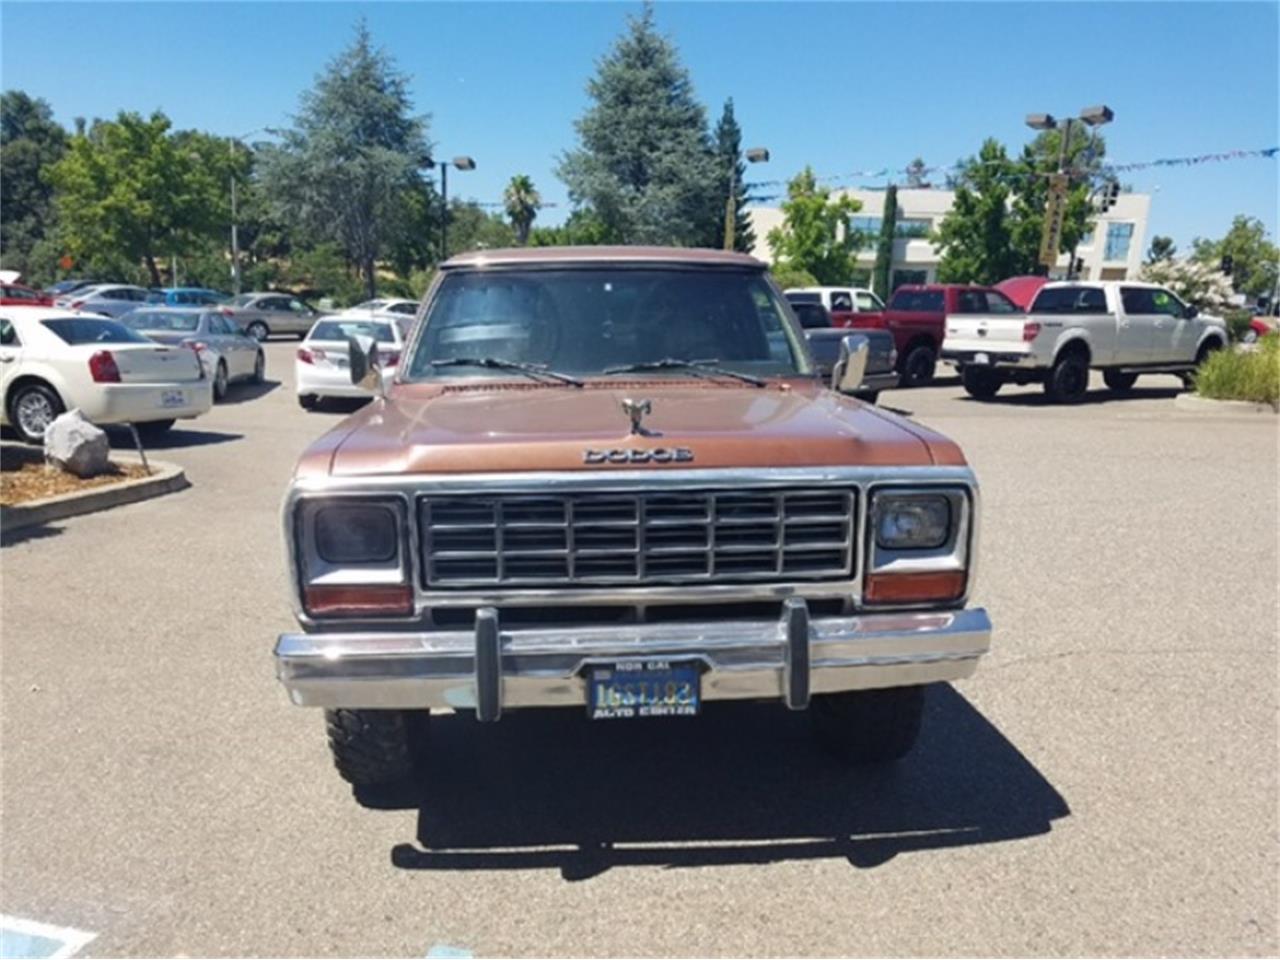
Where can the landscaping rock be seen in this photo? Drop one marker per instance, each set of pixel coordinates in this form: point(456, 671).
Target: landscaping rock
point(76, 445)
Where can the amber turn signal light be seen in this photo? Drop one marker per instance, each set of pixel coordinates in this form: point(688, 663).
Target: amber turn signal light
point(374, 600)
point(914, 587)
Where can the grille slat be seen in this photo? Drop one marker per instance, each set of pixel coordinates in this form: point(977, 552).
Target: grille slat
point(694, 536)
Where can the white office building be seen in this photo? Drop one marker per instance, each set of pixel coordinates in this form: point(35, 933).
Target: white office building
point(1111, 251)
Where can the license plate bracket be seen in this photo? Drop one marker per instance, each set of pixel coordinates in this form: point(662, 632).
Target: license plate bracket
point(649, 687)
point(173, 398)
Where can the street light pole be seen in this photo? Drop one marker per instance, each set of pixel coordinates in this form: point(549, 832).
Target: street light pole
point(462, 163)
point(754, 155)
point(1060, 182)
point(235, 234)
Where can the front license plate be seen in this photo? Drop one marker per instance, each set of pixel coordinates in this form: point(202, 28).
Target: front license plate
point(981, 358)
point(173, 398)
point(644, 688)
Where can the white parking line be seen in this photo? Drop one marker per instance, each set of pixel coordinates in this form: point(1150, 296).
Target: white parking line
point(29, 940)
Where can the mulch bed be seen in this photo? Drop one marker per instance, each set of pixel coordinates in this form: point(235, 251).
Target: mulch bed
point(28, 480)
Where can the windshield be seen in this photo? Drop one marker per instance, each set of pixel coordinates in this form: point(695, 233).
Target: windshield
point(341, 329)
point(584, 321)
point(162, 320)
point(85, 330)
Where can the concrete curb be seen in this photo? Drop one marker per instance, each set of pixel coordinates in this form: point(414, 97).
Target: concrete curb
point(1195, 404)
point(165, 478)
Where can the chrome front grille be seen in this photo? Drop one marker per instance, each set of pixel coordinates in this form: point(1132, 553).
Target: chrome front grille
point(602, 539)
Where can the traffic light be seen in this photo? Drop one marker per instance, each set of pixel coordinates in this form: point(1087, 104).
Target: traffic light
point(1228, 264)
point(1077, 268)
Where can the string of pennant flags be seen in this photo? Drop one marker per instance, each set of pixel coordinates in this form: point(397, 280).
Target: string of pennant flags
point(1104, 170)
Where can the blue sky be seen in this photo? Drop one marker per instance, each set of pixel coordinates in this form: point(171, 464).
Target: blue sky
point(839, 86)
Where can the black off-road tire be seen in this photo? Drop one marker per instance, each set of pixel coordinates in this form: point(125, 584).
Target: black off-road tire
point(1118, 381)
point(919, 365)
point(869, 726)
point(373, 747)
point(981, 383)
point(1068, 380)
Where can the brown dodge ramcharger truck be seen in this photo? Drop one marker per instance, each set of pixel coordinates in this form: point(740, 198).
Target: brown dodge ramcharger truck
point(607, 478)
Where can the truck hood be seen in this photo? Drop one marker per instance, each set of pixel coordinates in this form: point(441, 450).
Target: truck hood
point(521, 428)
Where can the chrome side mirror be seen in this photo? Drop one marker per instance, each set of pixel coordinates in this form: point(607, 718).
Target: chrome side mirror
point(851, 366)
point(364, 364)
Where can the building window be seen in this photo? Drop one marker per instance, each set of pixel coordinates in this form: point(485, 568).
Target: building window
point(1118, 237)
point(868, 231)
point(912, 228)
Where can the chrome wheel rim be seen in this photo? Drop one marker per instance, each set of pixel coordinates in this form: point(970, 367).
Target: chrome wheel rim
point(34, 413)
point(258, 332)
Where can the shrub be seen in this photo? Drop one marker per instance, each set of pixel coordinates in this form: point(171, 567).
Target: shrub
point(1237, 324)
point(788, 277)
point(1243, 374)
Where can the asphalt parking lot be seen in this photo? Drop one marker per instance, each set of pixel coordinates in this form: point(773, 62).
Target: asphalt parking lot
point(1106, 784)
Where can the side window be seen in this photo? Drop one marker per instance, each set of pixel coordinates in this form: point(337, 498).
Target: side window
point(1137, 300)
point(1166, 303)
point(113, 295)
point(8, 335)
point(999, 303)
point(841, 300)
point(297, 306)
point(868, 302)
point(275, 303)
point(810, 315)
point(1092, 300)
point(971, 301)
point(139, 296)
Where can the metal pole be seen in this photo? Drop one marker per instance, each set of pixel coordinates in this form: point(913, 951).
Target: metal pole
point(235, 236)
point(444, 211)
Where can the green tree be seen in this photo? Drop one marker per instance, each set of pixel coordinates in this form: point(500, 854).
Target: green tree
point(471, 227)
point(581, 228)
point(881, 273)
point(1255, 260)
point(343, 172)
point(732, 172)
point(30, 143)
point(644, 164)
point(522, 202)
point(1162, 248)
point(128, 192)
point(788, 277)
point(975, 238)
point(815, 235)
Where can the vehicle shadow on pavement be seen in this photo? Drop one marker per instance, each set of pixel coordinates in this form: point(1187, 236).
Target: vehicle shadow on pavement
point(1037, 397)
point(244, 392)
point(174, 439)
point(743, 784)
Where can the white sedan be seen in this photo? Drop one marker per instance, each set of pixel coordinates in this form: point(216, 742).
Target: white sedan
point(322, 368)
point(52, 360)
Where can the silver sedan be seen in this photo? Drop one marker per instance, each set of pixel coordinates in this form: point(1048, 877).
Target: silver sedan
point(227, 352)
point(262, 315)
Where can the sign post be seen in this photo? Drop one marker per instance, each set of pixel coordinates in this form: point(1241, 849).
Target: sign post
point(1055, 209)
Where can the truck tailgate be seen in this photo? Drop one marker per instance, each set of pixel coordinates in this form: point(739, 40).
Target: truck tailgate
point(977, 331)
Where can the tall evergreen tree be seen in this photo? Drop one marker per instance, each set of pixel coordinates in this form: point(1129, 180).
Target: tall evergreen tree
point(644, 166)
point(881, 274)
point(356, 152)
point(728, 144)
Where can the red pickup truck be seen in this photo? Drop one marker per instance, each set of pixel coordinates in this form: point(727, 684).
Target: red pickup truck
point(916, 316)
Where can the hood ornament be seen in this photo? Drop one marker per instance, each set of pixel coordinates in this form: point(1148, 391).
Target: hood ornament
point(637, 410)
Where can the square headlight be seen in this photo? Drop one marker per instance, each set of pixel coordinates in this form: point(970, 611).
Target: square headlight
point(356, 533)
point(911, 521)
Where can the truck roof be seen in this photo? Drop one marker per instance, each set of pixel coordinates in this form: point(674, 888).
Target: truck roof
point(556, 256)
point(1100, 283)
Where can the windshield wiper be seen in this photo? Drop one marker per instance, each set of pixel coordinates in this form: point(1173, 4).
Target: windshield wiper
point(705, 369)
point(533, 370)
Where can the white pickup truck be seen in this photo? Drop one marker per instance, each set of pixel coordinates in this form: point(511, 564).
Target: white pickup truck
point(1122, 328)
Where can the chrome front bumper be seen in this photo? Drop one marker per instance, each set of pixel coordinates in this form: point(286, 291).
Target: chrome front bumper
point(490, 668)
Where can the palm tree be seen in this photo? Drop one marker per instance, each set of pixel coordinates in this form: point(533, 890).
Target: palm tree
point(523, 203)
